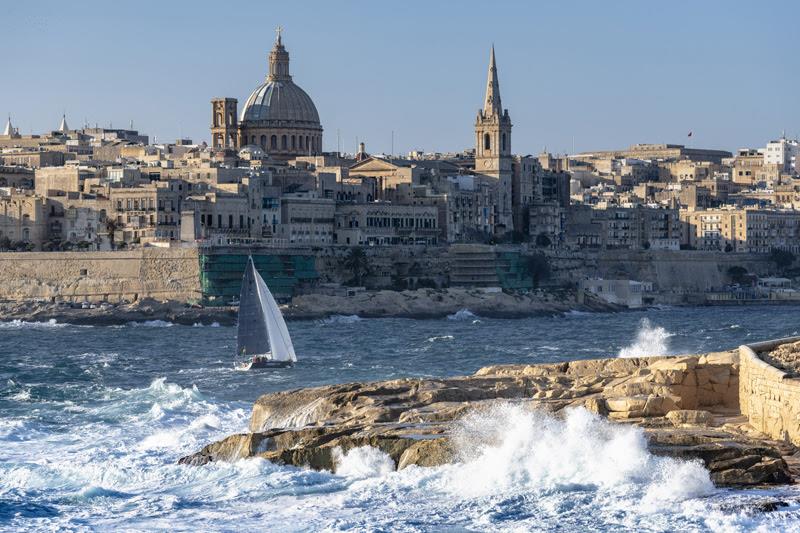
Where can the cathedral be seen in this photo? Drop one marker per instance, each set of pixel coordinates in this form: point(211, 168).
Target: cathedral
point(278, 116)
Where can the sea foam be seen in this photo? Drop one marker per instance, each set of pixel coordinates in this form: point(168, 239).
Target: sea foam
point(514, 449)
point(462, 314)
point(650, 340)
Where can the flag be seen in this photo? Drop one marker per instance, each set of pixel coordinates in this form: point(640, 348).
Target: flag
point(690, 134)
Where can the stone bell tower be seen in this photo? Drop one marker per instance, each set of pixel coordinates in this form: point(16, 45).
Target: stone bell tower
point(224, 123)
point(493, 145)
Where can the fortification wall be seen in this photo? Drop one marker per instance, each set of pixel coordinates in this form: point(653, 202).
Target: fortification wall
point(769, 397)
point(159, 273)
point(685, 269)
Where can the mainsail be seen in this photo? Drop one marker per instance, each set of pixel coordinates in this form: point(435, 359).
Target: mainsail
point(262, 329)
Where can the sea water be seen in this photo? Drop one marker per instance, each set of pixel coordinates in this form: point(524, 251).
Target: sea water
point(93, 420)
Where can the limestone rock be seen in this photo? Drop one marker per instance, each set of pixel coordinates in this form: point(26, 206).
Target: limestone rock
point(411, 419)
point(681, 417)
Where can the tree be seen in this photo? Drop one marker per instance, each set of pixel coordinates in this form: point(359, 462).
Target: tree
point(357, 263)
point(781, 258)
point(646, 245)
point(738, 274)
point(543, 241)
point(111, 227)
point(728, 248)
point(538, 267)
point(5, 243)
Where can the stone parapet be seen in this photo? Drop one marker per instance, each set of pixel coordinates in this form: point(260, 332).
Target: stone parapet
point(768, 396)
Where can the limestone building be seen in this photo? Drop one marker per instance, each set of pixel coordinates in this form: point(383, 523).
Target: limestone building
point(278, 116)
point(493, 147)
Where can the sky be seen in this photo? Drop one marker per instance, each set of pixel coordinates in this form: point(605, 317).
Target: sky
point(574, 75)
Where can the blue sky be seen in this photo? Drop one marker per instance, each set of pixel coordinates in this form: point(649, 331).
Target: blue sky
point(601, 74)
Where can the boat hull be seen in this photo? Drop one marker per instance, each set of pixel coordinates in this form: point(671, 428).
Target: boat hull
point(262, 362)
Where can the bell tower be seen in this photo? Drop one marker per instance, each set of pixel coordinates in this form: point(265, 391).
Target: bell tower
point(493, 145)
point(224, 123)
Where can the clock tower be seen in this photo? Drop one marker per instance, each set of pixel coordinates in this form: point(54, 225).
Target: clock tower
point(493, 145)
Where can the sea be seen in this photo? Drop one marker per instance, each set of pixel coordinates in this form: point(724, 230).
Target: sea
point(93, 420)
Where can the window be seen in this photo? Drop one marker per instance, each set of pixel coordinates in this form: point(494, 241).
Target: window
point(283, 142)
point(84, 272)
point(263, 142)
point(487, 142)
point(273, 142)
point(503, 145)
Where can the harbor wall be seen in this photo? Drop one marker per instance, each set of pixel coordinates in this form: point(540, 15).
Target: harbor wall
point(159, 273)
point(768, 396)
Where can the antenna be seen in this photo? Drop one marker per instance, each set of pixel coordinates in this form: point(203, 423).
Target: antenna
point(392, 152)
point(338, 143)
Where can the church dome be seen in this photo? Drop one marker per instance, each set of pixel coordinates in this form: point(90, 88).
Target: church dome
point(280, 100)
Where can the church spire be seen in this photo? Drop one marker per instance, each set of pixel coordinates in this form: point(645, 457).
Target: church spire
point(278, 59)
point(63, 128)
point(492, 105)
point(9, 131)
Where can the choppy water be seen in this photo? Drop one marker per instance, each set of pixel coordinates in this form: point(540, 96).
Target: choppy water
point(92, 420)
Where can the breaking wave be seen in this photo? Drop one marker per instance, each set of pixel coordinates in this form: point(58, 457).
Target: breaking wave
point(341, 319)
point(513, 449)
point(441, 338)
point(24, 324)
point(650, 340)
point(151, 324)
point(462, 314)
point(363, 462)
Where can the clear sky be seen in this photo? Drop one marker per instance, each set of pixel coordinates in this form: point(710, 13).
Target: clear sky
point(599, 74)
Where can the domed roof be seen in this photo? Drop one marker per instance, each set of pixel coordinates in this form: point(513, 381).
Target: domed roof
point(280, 100)
point(252, 150)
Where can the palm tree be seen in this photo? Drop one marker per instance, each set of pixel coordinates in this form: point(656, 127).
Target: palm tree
point(358, 263)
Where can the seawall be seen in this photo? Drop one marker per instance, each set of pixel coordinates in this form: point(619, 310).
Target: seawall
point(159, 273)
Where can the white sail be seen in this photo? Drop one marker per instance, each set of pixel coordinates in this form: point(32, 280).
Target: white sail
point(279, 340)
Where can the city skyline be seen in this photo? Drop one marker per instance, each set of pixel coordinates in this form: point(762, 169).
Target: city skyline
point(559, 92)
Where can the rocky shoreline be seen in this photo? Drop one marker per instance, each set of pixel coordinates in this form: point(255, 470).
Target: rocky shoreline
point(419, 304)
point(686, 407)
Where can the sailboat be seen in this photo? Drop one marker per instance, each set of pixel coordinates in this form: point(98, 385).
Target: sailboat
point(262, 340)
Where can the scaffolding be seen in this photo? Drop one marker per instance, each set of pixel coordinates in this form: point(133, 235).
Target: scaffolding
point(221, 274)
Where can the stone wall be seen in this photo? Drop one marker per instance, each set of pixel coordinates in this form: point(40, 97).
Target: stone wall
point(683, 269)
point(769, 397)
point(159, 273)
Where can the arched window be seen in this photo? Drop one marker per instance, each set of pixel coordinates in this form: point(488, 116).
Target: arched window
point(263, 142)
point(283, 142)
point(487, 142)
point(252, 139)
point(219, 120)
point(308, 146)
point(503, 145)
point(273, 142)
point(294, 142)
point(300, 139)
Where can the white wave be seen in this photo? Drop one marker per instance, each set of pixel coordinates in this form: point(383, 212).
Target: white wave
point(362, 462)
point(650, 340)
point(151, 324)
point(201, 325)
point(512, 449)
point(341, 319)
point(462, 314)
point(575, 313)
point(24, 324)
point(441, 338)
